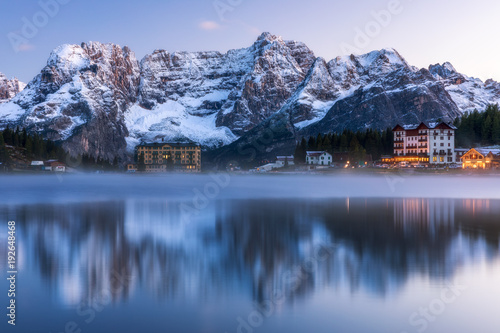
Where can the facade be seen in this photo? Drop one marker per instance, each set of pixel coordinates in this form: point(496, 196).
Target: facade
point(164, 157)
point(280, 163)
point(282, 160)
point(54, 166)
point(318, 158)
point(480, 159)
point(432, 143)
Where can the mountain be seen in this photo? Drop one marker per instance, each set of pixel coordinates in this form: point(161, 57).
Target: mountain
point(213, 98)
point(375, 90)
point(9, 88)
point(100, 100)
point(467, 92)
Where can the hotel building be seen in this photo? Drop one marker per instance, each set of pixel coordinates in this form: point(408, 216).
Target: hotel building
point(165, 157)
point(432, 143)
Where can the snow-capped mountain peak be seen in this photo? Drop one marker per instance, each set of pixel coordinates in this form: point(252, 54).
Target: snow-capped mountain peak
point(9, 88)
point(99, 99)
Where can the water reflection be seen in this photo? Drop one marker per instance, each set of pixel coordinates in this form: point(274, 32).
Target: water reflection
point(251, 247)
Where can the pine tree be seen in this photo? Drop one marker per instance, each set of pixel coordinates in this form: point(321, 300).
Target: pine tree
point(495, 130)
point(24, 136)
point(300, 152)
point(486, 130)
point(319, 142)
point(29, 146)
point(7, 135)
point(344, 145)
point(311, 144)
point(327, 144)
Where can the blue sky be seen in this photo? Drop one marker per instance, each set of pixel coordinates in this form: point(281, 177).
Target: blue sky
point(423, 31)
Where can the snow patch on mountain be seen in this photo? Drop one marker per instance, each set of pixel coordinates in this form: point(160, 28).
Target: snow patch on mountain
point(9, 88)
point(171, 122)
point(468, 93)
point(10, 112)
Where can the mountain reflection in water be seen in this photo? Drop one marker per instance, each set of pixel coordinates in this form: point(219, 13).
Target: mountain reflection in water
point(246, 247)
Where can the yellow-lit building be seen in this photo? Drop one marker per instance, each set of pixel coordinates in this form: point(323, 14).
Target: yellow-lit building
point(480, 159)
point(424, 143)
point(165, 157)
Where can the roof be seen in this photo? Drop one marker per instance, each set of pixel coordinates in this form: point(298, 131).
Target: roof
point(483, 151)
point(172, 144)
point(425, 125)
point(315, 153)
point(279, 158)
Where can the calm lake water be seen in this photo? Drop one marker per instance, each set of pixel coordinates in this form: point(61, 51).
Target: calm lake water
point(253, 254)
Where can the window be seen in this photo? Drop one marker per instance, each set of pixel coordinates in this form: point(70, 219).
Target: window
point(434, 159)
point(449, 144)
point(441, 159)
point(442, 144)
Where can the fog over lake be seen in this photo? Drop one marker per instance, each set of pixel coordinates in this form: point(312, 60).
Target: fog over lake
point(63, 188)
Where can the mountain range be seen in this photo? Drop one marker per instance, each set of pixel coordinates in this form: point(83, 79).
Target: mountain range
point(99, 99)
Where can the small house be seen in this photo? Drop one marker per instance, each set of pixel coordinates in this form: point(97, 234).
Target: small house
point(318, 158)
point(54, 166)
point(282, 160)
point(477, 158)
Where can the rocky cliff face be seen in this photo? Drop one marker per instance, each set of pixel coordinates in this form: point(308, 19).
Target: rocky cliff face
point(80, 98)
point(98, 99)
point(212, 98)
point(467, 92)
point(9, 88)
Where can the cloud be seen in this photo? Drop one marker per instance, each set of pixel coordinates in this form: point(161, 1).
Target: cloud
point(25, 47)
point(209, 25)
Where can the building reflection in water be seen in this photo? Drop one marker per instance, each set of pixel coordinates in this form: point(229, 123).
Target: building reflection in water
point(251, 247)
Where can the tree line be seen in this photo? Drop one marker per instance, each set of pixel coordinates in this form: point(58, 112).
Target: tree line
point(357, 144)
point(31, 146)
point(478, 128)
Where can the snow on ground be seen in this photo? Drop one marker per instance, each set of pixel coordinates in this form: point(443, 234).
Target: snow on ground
point(55, 104)
point(69, 57)
point(472, 95)
point(171, 122)
point(10, 112)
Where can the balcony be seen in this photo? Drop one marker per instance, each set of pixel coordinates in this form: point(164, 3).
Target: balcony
point(423, 146)
point(422, 140)
point(398, 140)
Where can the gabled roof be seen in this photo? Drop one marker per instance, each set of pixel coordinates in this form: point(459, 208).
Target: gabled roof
point(291, 157)
point(315, 153)
point(423, 125)
point(442, 125)
point(172, 144)
point(477, 151)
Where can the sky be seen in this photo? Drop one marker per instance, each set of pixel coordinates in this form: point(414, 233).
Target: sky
point(424, 32)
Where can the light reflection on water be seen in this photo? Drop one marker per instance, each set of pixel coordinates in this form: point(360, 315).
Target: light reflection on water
point(323, 254)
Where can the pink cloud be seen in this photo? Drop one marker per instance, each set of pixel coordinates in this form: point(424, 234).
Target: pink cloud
point(209, 25)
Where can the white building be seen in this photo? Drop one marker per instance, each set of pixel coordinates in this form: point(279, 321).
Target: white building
point(282, 160)
point(428, 143)
point(319, 158)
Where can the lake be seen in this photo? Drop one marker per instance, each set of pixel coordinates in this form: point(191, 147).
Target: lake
point(230, 253)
